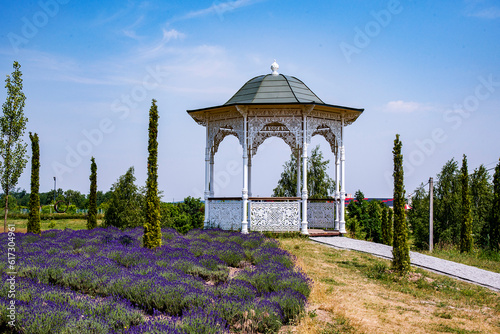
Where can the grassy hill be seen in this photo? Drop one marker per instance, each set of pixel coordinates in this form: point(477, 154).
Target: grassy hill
point(357, 293)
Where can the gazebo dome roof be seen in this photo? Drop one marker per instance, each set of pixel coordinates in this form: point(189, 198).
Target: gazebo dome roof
point(274, 88)
point(278, 92)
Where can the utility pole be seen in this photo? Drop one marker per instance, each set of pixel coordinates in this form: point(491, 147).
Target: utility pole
point(431, 214)
point(54, 190)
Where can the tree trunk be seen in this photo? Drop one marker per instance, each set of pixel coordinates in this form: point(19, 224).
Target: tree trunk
point(6, 211)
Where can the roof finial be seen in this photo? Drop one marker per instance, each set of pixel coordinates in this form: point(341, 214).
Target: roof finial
point(274, 68)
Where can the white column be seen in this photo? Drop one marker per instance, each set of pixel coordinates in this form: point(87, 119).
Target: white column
point(244, 193)
point(337, 190)
point(342, 185)
point(298, 173)
point(303, 229)
point(250, 174)
point(207, 181)
point(212, 191)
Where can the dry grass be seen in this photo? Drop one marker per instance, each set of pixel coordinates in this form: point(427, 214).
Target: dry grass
point(356, 293)
point(59, 224)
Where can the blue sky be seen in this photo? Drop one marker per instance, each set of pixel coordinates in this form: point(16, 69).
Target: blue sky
point(427, 70)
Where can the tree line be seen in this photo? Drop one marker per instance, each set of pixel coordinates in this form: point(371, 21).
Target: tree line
point(369, 220)
point(466, 206)
point(124, 207)
point(466, 211)
point(19, 198)
point(122, 204)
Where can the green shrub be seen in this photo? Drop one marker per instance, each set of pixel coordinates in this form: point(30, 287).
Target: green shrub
point(125, 205)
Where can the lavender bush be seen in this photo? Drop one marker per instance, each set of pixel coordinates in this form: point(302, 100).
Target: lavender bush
point(104, 281)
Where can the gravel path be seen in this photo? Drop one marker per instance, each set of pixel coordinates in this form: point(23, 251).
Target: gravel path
point(464, 272)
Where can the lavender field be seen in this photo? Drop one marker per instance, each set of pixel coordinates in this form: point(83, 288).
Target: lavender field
point(103, 281)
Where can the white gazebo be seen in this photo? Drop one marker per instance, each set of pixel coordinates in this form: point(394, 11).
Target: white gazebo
point(281, 106)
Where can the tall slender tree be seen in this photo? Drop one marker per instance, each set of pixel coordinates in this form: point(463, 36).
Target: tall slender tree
point(385, 225)
point(390, 226)
point(494, 228)
point(401, 249)
point(447, 199)
point(152, 231)
point(481, 193)
point(92, 214)
point(466, 241)
point(12, 126)
point(34, 203)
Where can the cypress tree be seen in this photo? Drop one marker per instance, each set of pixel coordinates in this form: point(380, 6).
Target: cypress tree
point(495, 211)
point(466, 241)
point(34, 203)
point(401, 249)
point(92, 214)
point(385, 225)
point(481, 195)
point(390, 226)
point(447, 205)
point(152, 231)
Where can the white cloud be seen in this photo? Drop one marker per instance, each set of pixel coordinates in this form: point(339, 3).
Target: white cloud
point(405, 107)
point(105, 18)
point(484, 9)
point(172, 34)
point(218, 8)
point(488, 13)
point(130, 30)
point(159, 48)
point(131, 34)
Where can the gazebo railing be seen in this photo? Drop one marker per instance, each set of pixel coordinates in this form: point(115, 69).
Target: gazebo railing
point(321, 213)
point(225, 213)
point(270, 213)
point(274, 213)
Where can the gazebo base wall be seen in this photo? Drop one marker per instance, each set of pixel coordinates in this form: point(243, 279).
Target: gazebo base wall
point(321, 214)
point(269, 214)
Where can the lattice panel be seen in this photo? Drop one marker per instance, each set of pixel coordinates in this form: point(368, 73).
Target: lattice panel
point(274, 216)
point(330, 138)
point(225, 215)
point(335, 127)
point(320, 215)
point(227, 127)
point(292, 124)
point(260, 137)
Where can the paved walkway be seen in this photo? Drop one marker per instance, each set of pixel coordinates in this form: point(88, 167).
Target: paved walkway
point(464, 272)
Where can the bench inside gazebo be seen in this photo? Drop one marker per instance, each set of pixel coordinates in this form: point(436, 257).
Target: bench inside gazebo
point(275, 105)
